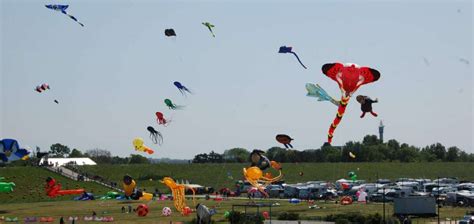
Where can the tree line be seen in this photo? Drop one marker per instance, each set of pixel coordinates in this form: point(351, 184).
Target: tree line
point(371, 149)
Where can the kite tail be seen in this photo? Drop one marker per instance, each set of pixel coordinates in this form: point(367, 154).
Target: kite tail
point(301, 63)
point(340, 112)
point(74, 18)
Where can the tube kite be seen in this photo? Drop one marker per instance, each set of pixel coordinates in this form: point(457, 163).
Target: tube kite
point(62, 8)
point(178, 191)
point(285, 49)
point(53, 189)
point(171, 105)
point(209, 26)
point(181, 88)
point(349, 77)
point(318, 92)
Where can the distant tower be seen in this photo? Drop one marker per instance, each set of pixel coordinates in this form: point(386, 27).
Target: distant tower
point(381, 126)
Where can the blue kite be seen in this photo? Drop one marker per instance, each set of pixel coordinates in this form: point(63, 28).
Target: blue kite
point(182, 88)
point(62, 8)
point(319, 93)
point(285, 49)
point(11, 151)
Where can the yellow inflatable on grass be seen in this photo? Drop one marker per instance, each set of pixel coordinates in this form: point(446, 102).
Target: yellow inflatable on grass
point(178, 191)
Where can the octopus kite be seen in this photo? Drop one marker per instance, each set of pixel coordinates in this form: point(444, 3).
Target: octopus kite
point(155, 135)
point(160, 118)
point(178, 192)
point(254, 174)
point(349, 77)
point(171, 105)
point(182, 88)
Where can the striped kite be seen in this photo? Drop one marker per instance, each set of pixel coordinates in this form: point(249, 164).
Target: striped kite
point(349, 77)
point(62, 8)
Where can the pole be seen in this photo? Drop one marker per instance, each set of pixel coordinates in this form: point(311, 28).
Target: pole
point(383, 200)
point(437, 202)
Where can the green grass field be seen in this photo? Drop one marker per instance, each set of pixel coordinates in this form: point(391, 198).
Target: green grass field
point(30, 182)
point(113, 208)
point(215, 175)
point(29, 198)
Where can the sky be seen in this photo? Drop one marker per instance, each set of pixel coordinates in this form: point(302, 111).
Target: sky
point(111, 76)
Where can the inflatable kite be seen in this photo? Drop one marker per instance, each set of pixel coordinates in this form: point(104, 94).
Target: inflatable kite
point(254, 176)
point(160, 118)
point(366, 105)
point(6, 187)
point(56, 101)
point(259, 160)
point(129, 187)
point(178, 192)
point(285, 140)
point(171, 105)
point(155, 135)
point(11, 151)
point(182, 88)
point(53, 189)
point(285, 49)
point(138, 144)
point(170, 33)
point(349, 77)
point(352, 175)
point(352, 155)
point(42, 87)
point(209, 26)
point(319, 93)
point(62, 8)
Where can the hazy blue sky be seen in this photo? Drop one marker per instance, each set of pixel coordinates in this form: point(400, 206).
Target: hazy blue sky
point(112, 75)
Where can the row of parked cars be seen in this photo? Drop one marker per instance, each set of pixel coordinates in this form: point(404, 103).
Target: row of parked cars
point(449, 191)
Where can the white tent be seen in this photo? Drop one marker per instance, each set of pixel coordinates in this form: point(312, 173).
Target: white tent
point(63, 161)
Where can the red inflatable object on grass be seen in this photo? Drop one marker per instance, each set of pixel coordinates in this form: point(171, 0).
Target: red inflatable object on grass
point(53, 189)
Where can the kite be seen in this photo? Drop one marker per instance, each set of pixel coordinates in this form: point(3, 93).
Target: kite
point(182, 88)
point(6, 187)
point(155, 135)
point(352, 155)
point(285, 49)
point(319, 93)
point(138, 144)
point(161, 119)
point(10, 151)
point(62, 8)
point(170, 33)
point(209, 26)
point(53, 189)
point(56, 101)
point(259, 160)
point(42, 87)
point(349, 77)
point(285, 140)
point(352, 175)
point(171, 105)
point(463, 60)
point(366, 105)
point(130, 190)
point(254, 175)
point(178, 192)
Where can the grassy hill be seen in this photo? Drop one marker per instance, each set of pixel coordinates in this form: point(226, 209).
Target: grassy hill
point(216, 175)
point(30, 182)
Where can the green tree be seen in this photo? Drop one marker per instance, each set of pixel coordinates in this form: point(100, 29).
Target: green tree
point(239, 155)
point(138, 159)
point(75, 154)
point(58, 150)
point(201, 158)
point(370, 140)
point(453, 154)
